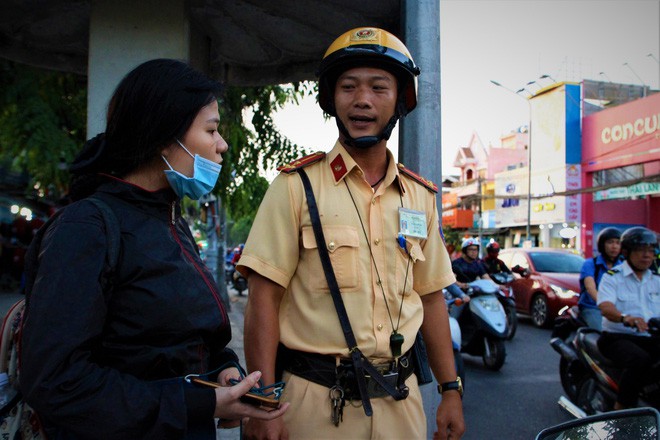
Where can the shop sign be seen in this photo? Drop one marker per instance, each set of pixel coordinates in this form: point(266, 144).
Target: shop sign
point(640, 189)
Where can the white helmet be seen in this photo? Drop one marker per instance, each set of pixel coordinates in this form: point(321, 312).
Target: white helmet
point(471, 241)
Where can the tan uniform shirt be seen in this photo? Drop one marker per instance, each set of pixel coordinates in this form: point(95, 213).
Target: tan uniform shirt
point(282, 248)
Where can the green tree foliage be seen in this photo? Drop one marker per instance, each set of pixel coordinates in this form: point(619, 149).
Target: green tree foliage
point(42, 124)
point(239, 230)
point(43, 117)
point(254, 151)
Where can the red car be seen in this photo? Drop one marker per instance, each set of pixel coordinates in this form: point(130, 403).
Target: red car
point(545, 280)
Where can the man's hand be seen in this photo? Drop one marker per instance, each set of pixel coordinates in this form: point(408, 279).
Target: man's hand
point(265, 430)
point(449, 417)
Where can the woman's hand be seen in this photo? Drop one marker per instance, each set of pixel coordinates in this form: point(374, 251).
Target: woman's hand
point(229, 407)
point(227, 374)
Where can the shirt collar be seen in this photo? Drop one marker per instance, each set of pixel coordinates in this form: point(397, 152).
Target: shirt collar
point(341, 164)
point(601, 260)
point(628, 271)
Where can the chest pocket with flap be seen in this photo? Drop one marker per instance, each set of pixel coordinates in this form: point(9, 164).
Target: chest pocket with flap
point(343, 244)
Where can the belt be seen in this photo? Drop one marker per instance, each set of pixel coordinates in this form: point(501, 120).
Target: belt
point(324, 370)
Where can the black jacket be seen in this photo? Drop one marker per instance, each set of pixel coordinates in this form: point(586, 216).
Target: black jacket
point(108, 364)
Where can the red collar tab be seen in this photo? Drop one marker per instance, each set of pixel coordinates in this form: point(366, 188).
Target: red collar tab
point(301, 163)
point(338, 167)
point(419, 179)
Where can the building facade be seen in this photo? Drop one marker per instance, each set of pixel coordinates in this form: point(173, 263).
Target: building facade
point(621, 159)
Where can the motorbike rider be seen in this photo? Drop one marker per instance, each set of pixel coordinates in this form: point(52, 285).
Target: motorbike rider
point(609, 250)
point(628, 296)
point(468, 267)
point(492, 262)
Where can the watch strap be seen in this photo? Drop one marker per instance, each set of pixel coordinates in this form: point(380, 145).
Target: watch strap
point(453, 385)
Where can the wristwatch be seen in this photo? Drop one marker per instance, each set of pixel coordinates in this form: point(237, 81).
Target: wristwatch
point(623, 316)
point(453, 385)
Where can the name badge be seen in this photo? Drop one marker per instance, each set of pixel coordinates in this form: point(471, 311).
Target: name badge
point(412, 223)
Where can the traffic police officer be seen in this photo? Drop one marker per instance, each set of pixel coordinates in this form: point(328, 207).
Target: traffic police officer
point(380, 223)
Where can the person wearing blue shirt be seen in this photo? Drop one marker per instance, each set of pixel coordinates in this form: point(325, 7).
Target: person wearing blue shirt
point(609, 249)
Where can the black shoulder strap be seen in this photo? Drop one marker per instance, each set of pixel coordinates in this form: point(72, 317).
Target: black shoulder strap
point(112, 231)
point(596, 271)
point(112, 234)
point(360, 363)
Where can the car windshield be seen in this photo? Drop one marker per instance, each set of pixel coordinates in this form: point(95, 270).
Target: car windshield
point(556, 262)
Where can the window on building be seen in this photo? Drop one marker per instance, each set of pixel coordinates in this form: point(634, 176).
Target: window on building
point(618, 175)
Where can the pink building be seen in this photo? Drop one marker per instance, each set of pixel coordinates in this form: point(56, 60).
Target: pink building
point(621, 156)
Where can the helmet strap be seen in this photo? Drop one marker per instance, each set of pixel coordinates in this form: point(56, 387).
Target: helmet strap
point(367, 141)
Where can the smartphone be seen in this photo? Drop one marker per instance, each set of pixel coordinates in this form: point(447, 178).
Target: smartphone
point(250, 398)
point(258, 400)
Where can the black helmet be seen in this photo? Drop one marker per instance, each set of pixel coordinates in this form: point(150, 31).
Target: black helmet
point(607, 234)
point(638, 236)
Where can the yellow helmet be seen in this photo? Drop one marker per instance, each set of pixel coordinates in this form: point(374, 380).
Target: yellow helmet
point(368, 46)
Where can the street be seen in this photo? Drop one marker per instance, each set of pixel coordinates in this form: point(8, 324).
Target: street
point(520, 399)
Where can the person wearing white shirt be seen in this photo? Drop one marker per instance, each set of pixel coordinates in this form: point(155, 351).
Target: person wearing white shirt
point(628, 296)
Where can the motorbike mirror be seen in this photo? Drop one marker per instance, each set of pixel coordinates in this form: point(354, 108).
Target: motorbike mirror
point(635, 423)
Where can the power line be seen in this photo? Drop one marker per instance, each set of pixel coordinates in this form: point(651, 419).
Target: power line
point(478, 198)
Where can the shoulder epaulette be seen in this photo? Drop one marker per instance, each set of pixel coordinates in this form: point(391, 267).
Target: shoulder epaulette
point(419, 179)
point(612, 271)
point(302, 162)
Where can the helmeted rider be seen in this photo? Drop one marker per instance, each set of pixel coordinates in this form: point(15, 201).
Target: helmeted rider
point(468, 267)
point(628, 296)
point(608, 244)
point(492, 261)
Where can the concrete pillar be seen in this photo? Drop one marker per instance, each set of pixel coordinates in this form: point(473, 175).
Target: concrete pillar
point(123, 34)
point(419, 135)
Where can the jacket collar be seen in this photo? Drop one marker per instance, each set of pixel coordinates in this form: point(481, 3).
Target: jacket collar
point(158, 202)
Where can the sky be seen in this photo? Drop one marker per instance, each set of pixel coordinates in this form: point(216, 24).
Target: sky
point(514, 42)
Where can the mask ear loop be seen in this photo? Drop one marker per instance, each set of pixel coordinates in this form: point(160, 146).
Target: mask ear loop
point(182, 146)
point(168, 164)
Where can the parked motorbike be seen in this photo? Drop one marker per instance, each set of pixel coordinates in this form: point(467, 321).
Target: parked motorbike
point(229, 272)
point(508, 301)
point(483, 324)
point(239, 283)
point(592, 379)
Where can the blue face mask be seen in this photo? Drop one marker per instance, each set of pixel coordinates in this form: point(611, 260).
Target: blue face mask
point(205, 175)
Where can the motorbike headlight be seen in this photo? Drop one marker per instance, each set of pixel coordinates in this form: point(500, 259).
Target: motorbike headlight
point(563, 293)
point(489, 303)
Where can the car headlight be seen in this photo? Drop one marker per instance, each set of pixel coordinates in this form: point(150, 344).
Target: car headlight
point(563, 293)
